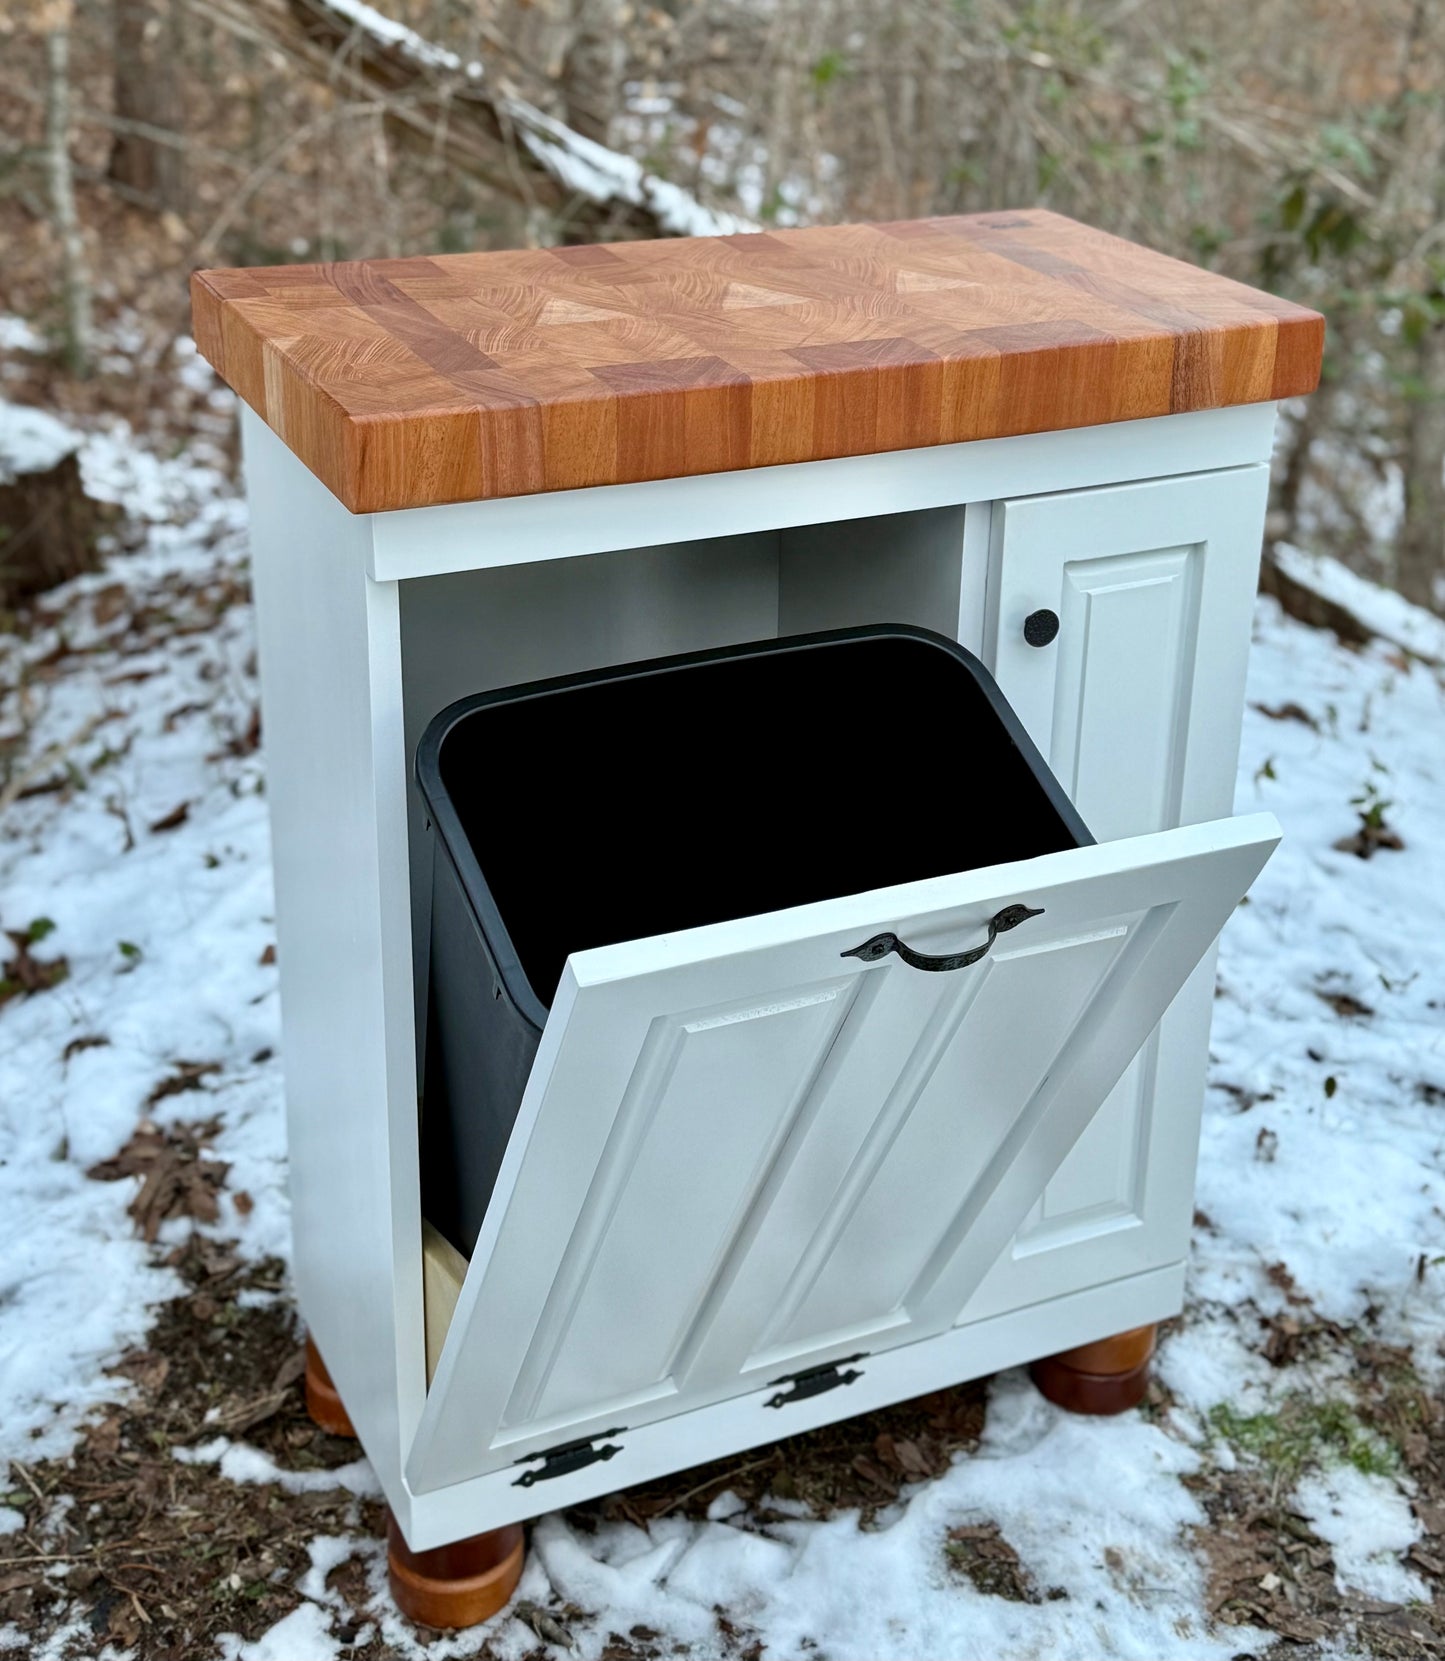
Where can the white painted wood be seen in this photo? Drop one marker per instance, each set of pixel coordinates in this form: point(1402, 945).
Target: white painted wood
point(891, 568)
point(974, 579)
point(1137, 703)
point(466, 536)
point(330, 654)
point(1137, 706)
point(811, 1099)
point(729, 1427)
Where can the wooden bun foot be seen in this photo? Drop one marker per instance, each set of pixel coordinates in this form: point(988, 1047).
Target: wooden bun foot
point(1110, 1376)
point(322, 1401)
point(458, 1585)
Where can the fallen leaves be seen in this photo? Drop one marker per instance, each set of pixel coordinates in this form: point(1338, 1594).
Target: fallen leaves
point(177, 715)
point(86, 1041)
point(239, 1413)
point(901, 1456)
point(172, 820)
point(1374, 832)
point(1278, 1275)
point(1260, 1564)
point(980, 1551)
point(44, 787)
point(185, 1075)
point(109, 603)
point(147, 1370)
point(1283, 1339)
point(858, 1464)
point(1288, 712)
point(248, 740)
point(1369, 839)
point(178, 1179)
point(121, 1514)
point(23, 973)
point(1345, 1004)
point(545, 1624)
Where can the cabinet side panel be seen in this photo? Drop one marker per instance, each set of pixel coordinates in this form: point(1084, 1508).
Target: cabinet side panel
point(331, 703)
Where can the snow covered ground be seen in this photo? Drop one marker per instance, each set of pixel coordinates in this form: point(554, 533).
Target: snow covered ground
point(133, 844)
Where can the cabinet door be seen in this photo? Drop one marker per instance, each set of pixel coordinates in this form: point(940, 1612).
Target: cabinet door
point(1137, 703)
point(751, 1149)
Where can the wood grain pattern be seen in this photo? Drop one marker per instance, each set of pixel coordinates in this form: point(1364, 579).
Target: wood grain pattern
point(443, 1269)
point(407, 382)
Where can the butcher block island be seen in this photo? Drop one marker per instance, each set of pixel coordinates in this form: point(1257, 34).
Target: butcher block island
point(789, 1164)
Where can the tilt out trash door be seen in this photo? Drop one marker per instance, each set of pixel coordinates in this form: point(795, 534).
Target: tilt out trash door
point(759, 1146)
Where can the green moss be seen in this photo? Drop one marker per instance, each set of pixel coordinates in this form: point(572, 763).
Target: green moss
point(1304, 1432)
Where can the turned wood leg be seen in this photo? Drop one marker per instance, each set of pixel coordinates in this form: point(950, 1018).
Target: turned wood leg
point(458, 1585)
point(1109, 1376)
point(322, 1401)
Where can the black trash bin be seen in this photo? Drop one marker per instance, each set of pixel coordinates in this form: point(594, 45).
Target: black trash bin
point(657, 796)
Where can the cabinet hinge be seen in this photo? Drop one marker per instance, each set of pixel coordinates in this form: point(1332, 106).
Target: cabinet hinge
point(816, 1381)
point(568, 1457)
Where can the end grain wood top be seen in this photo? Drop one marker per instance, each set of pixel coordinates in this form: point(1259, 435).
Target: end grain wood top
point(406, 382)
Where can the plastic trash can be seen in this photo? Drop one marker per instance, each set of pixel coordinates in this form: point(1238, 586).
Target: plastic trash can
point(658, 796)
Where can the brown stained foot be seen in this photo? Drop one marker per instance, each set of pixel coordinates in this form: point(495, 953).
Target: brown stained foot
point(322, 1401)
point(458, 1585)
point(1109, 1376)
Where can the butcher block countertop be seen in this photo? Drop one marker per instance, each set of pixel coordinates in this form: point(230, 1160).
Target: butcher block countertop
point(406, 382)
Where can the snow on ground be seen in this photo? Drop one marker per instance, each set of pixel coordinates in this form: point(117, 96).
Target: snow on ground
point(157, 937)
point(1093, 1508)
point(1368, 1522)
point(32, 441)
point(1322, 1182)
point(1323, 1141)
point(1380, 609)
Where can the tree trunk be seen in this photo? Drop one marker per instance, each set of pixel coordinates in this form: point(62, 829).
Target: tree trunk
point(48, 530)
point(75, 273)
point(592, 68)
point(147, 93)
point(1282, 523)
point(1420, 551)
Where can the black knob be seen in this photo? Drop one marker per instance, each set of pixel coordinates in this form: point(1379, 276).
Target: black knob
point(1040, 627)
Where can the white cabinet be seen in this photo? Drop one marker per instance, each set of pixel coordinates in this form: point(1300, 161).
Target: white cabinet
point(762, 1175)
point(898, 1179)
point(1136, 704)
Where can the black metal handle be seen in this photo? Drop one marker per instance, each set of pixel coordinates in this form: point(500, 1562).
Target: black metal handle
point(881, 944)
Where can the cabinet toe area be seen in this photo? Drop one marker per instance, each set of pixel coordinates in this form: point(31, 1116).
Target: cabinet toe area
point(322, 1402)
point(458, 1585)
point(451, 1586)
point(1109, 1376)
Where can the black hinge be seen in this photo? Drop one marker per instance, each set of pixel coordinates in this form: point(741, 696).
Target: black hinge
point(817, 1381)
point(569, 1457)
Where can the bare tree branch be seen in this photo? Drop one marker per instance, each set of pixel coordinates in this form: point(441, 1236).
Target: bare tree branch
point(452, 109)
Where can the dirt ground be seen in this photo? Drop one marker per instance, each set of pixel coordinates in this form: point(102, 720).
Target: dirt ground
point(127, 1543)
